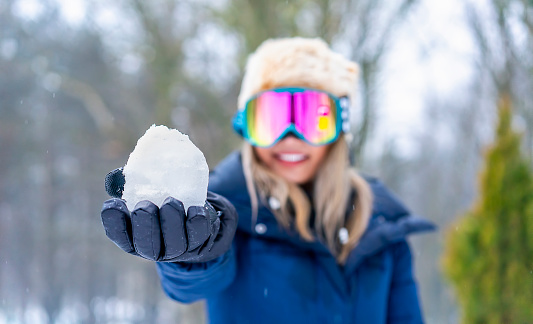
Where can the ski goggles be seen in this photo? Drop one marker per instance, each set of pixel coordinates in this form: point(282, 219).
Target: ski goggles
point(315, 116)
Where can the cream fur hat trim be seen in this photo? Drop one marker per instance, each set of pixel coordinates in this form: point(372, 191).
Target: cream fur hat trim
point(298, 62)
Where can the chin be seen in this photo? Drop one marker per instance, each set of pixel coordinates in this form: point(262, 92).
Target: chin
point(297, 179)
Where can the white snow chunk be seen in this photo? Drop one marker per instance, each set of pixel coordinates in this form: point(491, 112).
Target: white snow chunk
point(165, 163)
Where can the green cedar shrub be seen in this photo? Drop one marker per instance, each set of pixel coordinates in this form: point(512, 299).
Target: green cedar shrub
point(488, 255)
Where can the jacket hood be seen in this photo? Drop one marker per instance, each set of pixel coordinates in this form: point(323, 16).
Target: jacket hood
point(390, 221)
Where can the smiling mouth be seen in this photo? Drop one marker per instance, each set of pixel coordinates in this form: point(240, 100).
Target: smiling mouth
point(291, 157)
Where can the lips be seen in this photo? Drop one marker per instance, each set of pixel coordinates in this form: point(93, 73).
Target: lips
point(291, 157)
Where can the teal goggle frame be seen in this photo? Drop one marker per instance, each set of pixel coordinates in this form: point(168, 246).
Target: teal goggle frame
point(314, 116)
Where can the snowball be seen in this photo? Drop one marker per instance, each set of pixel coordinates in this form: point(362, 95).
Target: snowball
point(165, 163)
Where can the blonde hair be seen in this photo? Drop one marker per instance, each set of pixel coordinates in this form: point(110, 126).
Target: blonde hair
point(334, 184)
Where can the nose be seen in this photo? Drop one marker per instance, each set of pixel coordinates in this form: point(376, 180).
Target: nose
point(289, 134)
point(289, 138)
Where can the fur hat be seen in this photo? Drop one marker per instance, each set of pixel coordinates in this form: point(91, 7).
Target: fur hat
point(298, 62)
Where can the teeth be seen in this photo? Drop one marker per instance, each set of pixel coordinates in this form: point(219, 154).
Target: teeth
point(292, 157)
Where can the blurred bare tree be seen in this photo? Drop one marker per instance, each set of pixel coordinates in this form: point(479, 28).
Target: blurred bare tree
point(75, 97)
point(503, 31)
point(58, 93)
point(178, 86)
point(363, 27)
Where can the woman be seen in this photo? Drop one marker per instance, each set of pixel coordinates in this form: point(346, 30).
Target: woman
point(314, 242)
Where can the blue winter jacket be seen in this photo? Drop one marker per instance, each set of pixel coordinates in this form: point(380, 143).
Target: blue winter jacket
point(271, 275)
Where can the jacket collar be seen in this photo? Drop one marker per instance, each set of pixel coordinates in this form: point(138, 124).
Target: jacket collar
point(390, 221)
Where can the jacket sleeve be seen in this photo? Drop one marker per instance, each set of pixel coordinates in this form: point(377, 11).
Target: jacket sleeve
point(404, 306)
point(189, 282)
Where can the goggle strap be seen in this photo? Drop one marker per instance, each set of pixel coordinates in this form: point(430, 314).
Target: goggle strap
point(344, 103)
point(238, 122)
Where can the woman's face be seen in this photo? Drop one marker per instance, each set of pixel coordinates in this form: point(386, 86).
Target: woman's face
point(293, 159)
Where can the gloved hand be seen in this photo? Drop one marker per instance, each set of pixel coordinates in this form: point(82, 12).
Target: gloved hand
point(168, 234)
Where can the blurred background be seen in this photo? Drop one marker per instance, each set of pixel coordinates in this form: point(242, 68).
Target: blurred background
point(82, 80)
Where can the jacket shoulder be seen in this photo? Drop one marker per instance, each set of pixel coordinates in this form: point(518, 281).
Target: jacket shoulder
point(391, 223)
point(386, 203)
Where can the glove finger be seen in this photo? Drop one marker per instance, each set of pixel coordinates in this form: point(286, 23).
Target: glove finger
point(198, 227)
point(229, 218)
point(214, 224)
point(172, 216)
point(146, 230)
point(117, 224)
point(215, 227)
point(226, 223)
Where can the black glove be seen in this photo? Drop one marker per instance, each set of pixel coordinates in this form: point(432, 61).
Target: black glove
point(167, 234)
